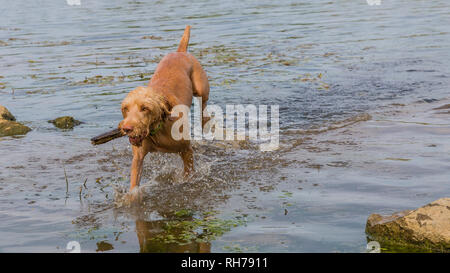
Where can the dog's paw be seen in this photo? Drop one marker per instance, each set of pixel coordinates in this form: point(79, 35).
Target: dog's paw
point(128, 199)
point(135, 195)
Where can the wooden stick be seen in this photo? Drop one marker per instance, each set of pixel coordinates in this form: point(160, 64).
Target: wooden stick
point(105, 137)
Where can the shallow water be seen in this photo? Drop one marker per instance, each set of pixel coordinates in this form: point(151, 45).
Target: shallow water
point(328, 65)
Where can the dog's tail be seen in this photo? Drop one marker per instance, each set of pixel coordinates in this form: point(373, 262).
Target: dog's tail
point(184, 40)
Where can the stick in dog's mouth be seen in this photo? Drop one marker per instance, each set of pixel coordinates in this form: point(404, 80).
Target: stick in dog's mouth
point(106, 137)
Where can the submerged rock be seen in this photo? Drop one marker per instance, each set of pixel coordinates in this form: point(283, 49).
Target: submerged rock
point(426, 228)
point(9, 126)
point(65, 122)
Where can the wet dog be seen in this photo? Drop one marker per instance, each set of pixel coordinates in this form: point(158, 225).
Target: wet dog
point(147, 109)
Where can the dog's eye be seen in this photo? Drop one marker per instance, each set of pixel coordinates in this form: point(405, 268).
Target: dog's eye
point(144, 109)
point(125, 109)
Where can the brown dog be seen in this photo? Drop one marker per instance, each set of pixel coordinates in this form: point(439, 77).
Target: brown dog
point(146, 110)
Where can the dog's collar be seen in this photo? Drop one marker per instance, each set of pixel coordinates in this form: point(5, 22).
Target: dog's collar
point(155, 130)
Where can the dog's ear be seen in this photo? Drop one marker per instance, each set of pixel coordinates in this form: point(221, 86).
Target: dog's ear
point(165, 109)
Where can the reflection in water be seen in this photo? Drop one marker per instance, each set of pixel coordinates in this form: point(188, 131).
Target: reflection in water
point(183, 231)
point(149, 234)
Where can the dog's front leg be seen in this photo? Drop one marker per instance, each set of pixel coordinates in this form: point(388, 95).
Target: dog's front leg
point(188, 160)
point(136, 165)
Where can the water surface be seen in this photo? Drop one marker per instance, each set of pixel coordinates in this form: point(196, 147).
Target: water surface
point(324, 63)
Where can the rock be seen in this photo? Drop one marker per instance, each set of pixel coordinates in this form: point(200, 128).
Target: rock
point(9, 126)
point(426, 228)
point(65, 122)
point(5, 114)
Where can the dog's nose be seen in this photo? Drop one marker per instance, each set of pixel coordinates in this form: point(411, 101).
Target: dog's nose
point(127, 128)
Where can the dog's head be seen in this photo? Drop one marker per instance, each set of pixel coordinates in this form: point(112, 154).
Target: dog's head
point(142, 110)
